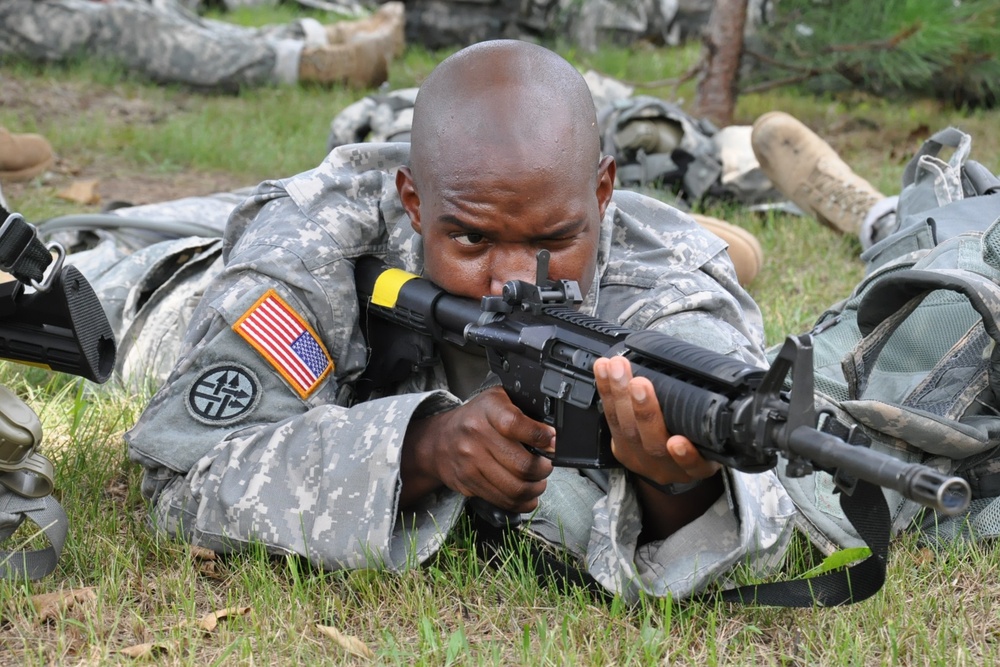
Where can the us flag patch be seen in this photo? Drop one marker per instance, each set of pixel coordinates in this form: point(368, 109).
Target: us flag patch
point(275, 330)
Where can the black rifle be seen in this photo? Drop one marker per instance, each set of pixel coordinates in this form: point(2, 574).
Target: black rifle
point(543, 352)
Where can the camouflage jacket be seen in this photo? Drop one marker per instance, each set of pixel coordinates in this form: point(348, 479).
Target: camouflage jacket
point(245, 443)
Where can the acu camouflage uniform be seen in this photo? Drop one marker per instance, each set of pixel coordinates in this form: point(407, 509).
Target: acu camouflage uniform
point(239, 449)
point(159, 38)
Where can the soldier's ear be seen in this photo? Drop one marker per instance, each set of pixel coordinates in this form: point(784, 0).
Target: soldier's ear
point(408, 196)
point(606, 170)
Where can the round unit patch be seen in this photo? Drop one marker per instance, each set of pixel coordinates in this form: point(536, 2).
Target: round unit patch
point(223, 394)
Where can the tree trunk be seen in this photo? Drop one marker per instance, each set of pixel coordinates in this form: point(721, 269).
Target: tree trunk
point(720, 61)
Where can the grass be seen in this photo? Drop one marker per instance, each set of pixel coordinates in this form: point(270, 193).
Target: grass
point(936, 608)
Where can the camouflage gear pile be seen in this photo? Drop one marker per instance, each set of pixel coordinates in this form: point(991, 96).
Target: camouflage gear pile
point(658, 147)
point(379, 118)
point(159, 38)
point(910, 356)
point(242, 446)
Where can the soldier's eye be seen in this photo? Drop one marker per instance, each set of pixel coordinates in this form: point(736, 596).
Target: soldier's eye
point(469, 238)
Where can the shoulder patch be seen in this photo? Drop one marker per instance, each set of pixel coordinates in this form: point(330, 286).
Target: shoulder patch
point(223, 394)
point(283, 337)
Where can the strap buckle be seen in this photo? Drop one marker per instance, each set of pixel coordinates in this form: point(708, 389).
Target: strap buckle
point(28, 253)
point(50, 275)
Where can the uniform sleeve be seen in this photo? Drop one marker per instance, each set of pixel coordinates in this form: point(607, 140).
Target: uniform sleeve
point(251, 439)
point(750, 525)
point(700, 301)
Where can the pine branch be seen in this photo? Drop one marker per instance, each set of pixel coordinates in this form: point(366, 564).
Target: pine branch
point(778, 63)
point(877, 44)
point(778, 83)
point(938, 48)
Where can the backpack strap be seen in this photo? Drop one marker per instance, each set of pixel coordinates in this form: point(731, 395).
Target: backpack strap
point(927, 411)
point(929, 182)
point(51, 520)
point(951, 137)
point(897, 291)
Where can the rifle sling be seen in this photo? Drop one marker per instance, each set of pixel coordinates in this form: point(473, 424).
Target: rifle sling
point(865, 507)
point(869, 514)
point(22, 253)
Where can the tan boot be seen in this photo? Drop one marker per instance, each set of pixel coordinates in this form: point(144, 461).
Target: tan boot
point(388, 25)
point(359, 65)
point(808, 171)
point(23, 156)
point(744, 249)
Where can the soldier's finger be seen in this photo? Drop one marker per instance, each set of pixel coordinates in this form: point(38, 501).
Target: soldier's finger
point(648, 417)
point(504, 489)
point(687, 457)
point(613, 384)
point(514, 425)
point(520, 464)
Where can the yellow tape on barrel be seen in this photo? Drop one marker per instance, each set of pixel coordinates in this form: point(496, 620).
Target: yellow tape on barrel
point(387, 286)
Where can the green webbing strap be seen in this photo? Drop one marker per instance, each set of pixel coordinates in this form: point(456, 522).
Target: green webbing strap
point(26, 479)
point(50, 518)
point(22, 254)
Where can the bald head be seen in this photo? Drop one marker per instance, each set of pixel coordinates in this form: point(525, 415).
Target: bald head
point(516, 103)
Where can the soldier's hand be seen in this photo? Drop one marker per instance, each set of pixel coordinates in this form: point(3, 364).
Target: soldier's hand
point(478, 449)
point(640, 438)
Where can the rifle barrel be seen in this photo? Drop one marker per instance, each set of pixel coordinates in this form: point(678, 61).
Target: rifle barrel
point(947, 494)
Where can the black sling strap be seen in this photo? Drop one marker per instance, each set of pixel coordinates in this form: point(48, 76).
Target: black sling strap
point(22, 254)
point(865, 507)
point(869, 514)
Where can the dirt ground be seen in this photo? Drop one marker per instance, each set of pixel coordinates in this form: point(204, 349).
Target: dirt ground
point(50, 102)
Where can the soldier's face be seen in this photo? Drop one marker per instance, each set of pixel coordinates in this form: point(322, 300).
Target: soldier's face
point(483, 222)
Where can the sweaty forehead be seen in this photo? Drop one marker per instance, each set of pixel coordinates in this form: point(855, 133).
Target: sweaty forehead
point(488, 139)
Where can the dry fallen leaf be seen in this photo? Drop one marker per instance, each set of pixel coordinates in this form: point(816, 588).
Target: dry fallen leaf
point(82, 192)
point(147, 649)
point(208, 622)
point(925, 556)
point(48, 606)
point(117, 489)
point(207, 569)
point(201, 553)
point(352, 645)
